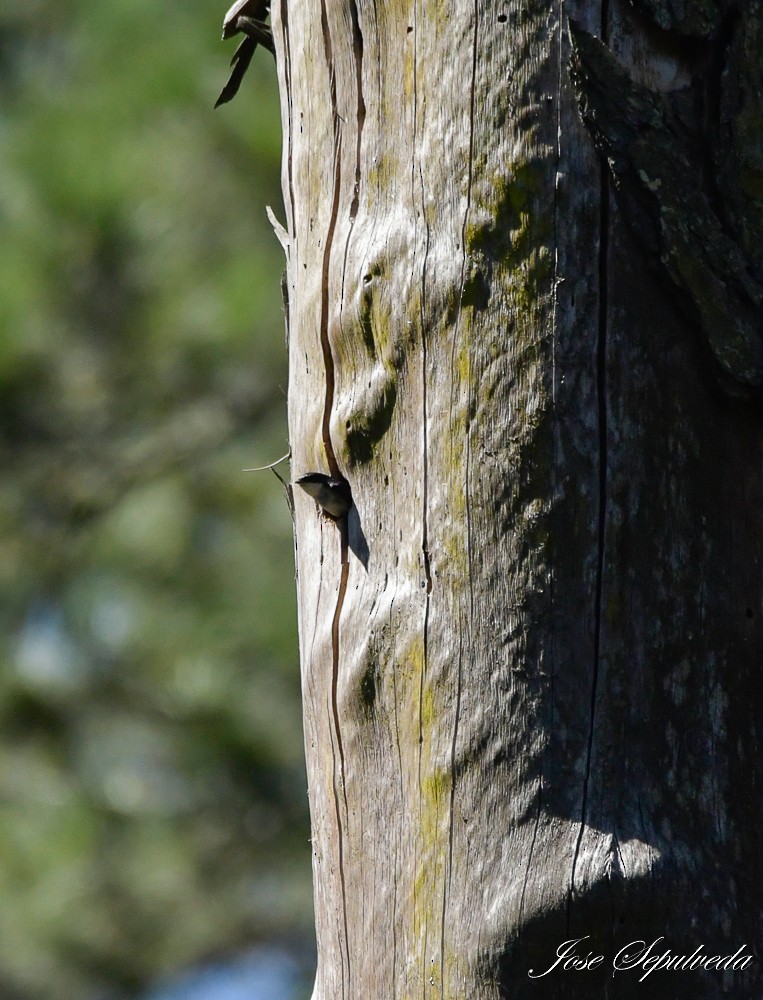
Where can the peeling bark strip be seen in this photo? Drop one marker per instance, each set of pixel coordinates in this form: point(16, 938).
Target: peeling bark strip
point(530, 652)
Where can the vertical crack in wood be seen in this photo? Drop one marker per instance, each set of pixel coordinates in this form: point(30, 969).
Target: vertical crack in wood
point(416, 163)
point(345, 571)
point(555, 285)
point(467, 504)
point(402, 795)
point(394, 931)
point(360, 116)
point(554, 303)
point(357, 38)
point(425, 464)
point(328, 359)
point(424, 361)
point(290, 134)
point(425, 439)
point(601, 393)
point(335, 650)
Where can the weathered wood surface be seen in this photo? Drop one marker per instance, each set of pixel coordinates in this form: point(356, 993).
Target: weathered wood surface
point(530, 678)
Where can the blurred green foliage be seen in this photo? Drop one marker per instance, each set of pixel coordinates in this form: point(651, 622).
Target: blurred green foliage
point(152, 791)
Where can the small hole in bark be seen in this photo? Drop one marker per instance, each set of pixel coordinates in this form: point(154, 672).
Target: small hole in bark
point(410, 29)
point(503, 18)
point(367, 278)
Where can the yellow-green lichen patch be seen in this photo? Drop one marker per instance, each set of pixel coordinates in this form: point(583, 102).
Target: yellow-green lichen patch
point(530, 282)
point(428, 715)
point(368, 684)
point(382, 171)
point(463, 364)
point(371, 420)
point(432, 853)
point(410, 665)
point(437, 790)
point(409, 73)
point(506, 220)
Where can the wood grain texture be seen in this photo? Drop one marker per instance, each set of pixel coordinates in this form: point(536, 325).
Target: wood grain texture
point(516, 655)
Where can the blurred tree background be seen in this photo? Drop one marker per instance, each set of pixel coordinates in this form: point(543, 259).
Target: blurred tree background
point(153, 809)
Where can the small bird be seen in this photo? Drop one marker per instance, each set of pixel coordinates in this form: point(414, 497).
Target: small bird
point(246, 17)
point(333, 495)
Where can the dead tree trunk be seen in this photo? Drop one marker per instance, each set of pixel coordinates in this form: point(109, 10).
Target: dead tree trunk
point(531, 652)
